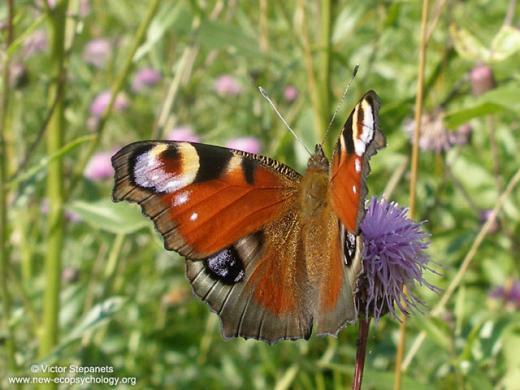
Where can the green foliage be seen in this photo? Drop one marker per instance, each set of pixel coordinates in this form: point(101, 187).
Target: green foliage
point(125, 301)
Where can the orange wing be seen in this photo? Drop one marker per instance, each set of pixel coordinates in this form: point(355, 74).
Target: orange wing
point(359, 140)
point(202, 198)
point(235, 216)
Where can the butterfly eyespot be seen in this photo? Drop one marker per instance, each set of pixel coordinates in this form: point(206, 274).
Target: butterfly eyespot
point(350, 248)
point(225, 266)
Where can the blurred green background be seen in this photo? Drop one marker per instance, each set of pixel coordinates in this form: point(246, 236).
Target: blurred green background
point(190, 70)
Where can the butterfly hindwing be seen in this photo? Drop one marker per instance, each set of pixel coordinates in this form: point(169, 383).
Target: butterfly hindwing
point(270, 300)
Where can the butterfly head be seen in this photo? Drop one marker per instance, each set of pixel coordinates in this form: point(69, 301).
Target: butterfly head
point(318, 160)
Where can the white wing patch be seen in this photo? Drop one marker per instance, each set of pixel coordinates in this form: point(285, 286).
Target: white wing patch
point(363, 136)
point(149, 172)
point(181, 198)
point(357, 164)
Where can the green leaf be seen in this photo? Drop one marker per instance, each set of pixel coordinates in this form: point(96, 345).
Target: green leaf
point(345, 23)
point(373, 379)
point(493, 331)
point(217, 35)
point(173, 16)
point(99, 315)
point(467, 45)
point(512, 360)
point(505, 43)
point(287, 378)
point(112, 217)
point(494, 101)
point(17, 43)
point(459, 117)
point(507, 97)
point(46, 160)
point(437, 331)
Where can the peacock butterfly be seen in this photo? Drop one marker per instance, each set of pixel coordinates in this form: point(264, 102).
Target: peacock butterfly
point(272, 252)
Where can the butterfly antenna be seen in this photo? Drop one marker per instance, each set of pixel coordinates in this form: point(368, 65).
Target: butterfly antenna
point(354, 73)
point(266, 96)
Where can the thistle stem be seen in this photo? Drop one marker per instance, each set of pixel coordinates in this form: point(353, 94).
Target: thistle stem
point(364, 325)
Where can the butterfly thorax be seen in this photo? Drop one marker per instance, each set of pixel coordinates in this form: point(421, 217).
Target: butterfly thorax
point(318, 160)
point(315, 185)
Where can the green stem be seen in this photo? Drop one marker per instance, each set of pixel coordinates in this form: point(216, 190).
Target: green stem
point(312, 84)
point(113, 262)
point(17, 285)
point(115, 89)
point(325, 66)
point(26, 249)
point(414, 170)
point(4, 235)
point(56, 223)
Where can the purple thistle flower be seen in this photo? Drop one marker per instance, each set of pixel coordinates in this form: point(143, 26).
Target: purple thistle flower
point(290, 93)
point(484, 215)
point(227, 85)
point(69, 214)
point(84, 8)
point(97, 52)
point(434, 134)
point(393, 258)
point(36, 43)
point(509, 294)
point(99, 167)
point(18, 76)
point(462, 136)
point(70, 274)
point(183, 133)
point(247, 144)
point(101, 101)
point(482, 79)
point(145, 78)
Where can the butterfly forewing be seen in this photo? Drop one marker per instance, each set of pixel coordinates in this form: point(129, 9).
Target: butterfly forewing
point(202, 198)
point(358, 141)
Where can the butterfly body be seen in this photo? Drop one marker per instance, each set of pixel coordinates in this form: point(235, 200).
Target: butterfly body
point(273, 253)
